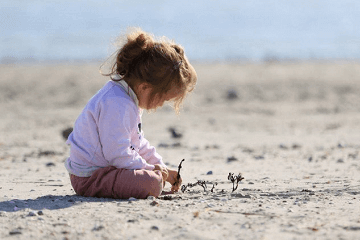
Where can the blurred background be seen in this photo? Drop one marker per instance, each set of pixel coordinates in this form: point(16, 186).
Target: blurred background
point(211, 31)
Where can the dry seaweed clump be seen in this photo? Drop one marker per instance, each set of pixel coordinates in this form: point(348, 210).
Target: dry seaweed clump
point(235, 180)
point(198, 183)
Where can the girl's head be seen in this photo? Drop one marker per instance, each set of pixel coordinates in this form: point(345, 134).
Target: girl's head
point(157, 70)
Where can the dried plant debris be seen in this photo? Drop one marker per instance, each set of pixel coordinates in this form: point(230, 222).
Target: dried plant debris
point(191, 185)
point(178, 174)
point(235, 180)
point(212, 189)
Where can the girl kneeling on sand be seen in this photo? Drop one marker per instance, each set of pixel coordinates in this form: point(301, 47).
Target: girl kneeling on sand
point(109, 156)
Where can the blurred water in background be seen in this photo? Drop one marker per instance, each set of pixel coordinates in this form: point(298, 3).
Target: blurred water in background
point(83, 30)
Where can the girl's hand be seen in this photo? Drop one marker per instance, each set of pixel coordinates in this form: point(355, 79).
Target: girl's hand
point(164, 172)
point(172, 179)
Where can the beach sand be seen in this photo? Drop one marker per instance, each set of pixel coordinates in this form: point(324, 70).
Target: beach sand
point(291, 129)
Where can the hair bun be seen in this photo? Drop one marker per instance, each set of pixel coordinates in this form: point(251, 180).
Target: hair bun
point(141, 40)
point(178, 49)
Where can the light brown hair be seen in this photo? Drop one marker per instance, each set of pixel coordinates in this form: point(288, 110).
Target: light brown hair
point(160, 63)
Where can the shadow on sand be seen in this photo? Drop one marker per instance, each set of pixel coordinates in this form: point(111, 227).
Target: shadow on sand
point(50, 202)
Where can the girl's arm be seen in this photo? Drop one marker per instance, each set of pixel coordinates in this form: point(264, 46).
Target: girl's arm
point(149, 153)
point(115, 124)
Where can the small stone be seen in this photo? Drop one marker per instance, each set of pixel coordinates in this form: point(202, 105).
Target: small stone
point(209, 173)
point(163, 145)
point(259, 157)
point(296, 146)
point(152, 198)
point(66, 132)
point(232, 94)
point(167, 197)
point(40, 213)
point(232, 159)
point(340, 161)
point(282, 146)
point(175, 133)
point(31, 214)
point(97, 228)
point(341, 145)
point(50, 164)
point(154, 203)
point(156, 228)
point(15, 232)
point(251, 183)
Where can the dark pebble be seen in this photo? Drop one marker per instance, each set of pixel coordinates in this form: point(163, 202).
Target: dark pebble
point(66, 132)
point(232, 159)
point(209, 173)
point(154, 203)
point(15, 232)
point(231, 95)
point(50, 164)
point(175, 133)
point(167, 197)
point(46, 153)
point(259, 157)
point(155, 228)
point(341, 145)
point(296, 146)
point(40, 213)
point(97, 228)
point(282, 146)
point(340, 161)
point(163, 145)
point(31, 214)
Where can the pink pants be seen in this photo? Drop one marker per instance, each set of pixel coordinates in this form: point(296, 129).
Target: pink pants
point(112, 182)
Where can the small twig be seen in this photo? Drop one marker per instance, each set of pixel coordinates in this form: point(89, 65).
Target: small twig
point(178, 173)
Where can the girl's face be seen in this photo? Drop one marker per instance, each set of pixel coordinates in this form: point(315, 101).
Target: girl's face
point(143, 95)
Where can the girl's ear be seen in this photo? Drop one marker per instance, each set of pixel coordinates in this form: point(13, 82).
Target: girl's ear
point(143, 86)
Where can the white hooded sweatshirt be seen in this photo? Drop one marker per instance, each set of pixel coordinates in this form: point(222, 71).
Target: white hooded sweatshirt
point(108, 133)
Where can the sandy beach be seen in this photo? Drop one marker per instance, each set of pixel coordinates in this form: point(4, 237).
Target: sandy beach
point(292, 129)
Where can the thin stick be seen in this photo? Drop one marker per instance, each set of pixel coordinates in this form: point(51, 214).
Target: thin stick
point(178, 173)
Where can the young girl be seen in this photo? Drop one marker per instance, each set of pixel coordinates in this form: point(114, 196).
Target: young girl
point(109, 156)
